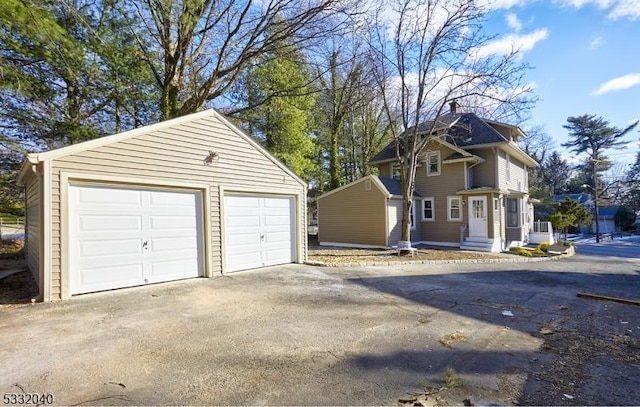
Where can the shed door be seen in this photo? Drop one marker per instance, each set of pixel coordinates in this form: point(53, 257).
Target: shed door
point(259, 231)
point(122, 237)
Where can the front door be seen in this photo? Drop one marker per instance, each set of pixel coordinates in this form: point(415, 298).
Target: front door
point(478, 216)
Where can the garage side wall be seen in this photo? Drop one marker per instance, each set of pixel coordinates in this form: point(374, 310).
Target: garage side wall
point(176, 154)
point(355, 215)
point(33, 194)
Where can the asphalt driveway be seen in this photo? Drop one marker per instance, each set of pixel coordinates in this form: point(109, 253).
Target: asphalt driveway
point(330, 336)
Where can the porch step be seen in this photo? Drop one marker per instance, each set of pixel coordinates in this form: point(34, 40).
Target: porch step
point(477, 244)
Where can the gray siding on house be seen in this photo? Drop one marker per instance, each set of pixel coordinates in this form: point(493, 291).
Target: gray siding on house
point(448, 183)
point(32, 228)
point(514, 235)
point(353, 215)
point(176, 154)
point(484, 174)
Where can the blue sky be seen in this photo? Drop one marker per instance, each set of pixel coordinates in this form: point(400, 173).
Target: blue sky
point(586, 59)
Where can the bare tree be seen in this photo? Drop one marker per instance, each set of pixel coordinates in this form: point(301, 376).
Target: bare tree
point(198, 48)
point(428, 53)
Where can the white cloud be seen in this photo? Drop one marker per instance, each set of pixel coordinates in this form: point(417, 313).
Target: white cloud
point(596, 42)
point(503, 4)
point(514, 22)
point(619, 83)
point(508, 43)
point(616, 8)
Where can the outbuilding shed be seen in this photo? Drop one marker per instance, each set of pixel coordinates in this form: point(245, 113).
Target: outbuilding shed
point(364, 213)
point(188, 197)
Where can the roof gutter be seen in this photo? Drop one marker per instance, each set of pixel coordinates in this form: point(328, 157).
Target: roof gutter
point(30, 164)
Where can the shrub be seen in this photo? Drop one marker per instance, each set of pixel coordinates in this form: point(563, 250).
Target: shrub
point(538, 251)
point(521, 251)
point(544, 246)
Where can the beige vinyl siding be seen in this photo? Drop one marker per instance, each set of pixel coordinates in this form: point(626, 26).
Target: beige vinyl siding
point(176, 154)
point(484, 174)
point(448, 183)
point(518, 175)
point(353, 215)
point(385, 170)
point(32, 229)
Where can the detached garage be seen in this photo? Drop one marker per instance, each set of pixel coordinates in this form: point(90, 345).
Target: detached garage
point(189, 197)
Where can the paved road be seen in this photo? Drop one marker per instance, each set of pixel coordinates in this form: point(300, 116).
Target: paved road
point(616, 249)
point(331, 336)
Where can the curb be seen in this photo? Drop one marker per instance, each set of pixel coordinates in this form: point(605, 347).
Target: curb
point(461, 261)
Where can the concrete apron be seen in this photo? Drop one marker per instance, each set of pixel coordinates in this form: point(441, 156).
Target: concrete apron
point(278, 336)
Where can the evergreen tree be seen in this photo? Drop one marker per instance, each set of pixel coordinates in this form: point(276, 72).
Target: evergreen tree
point(594, 136)
point(283, 120)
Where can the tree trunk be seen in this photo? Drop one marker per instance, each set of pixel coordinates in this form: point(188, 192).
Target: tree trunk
point(595, 199)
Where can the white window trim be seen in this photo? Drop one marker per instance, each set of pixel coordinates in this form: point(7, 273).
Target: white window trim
point(449, 200)
point(428, 166)
point(393, 169)
point(433, 211)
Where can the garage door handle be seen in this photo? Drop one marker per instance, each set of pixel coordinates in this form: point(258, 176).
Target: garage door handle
point(144, 245)
point(262, 237)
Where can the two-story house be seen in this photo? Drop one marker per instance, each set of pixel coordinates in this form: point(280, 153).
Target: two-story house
point(471, 191)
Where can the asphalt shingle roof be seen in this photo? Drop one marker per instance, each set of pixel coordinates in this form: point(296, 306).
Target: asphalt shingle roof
point(394, 186)
point(465, 131)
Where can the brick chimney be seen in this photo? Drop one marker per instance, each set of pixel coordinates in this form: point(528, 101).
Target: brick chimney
point(454, 107)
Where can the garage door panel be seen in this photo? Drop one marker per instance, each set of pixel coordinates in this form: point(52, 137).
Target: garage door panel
point(278, 238)
point(170, 223)
point(102, 223)
point(103, 247)
point(171, 199)
point(97, 196)
point(258, 231)
point(281, 220)
point(235, 202)
point(172, 270)
point(174, 244)
point(242, 220)
point(106, 278)
point(107, 237)
point(249, 258)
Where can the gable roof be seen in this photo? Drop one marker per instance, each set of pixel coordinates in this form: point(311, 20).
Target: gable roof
point(35, 158)
point(463, 131)
point(388, 186)
point(394, 186)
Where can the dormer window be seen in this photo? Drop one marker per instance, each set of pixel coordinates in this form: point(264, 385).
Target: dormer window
point(395, 171)
point(433, 163)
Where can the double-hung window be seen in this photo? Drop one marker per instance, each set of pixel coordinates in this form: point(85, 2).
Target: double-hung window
point(433, 163)
point(512, 213)
point(454, 208)
point(428, 210)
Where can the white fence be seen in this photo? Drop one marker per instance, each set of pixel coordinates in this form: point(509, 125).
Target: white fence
point(11, 228)
point(541, 232)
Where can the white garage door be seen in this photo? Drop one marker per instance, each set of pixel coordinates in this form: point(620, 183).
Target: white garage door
point(121, 237)
point(259, 231)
